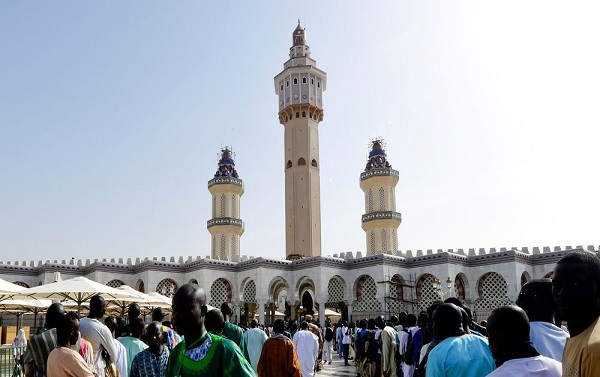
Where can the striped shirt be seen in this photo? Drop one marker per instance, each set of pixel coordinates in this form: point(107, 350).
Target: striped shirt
point(38, 350)
point(145, 364)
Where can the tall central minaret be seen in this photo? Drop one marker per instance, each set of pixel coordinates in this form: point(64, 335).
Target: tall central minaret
point(300, 88)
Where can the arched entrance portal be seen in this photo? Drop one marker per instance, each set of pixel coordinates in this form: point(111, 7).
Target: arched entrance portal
point(307, 303)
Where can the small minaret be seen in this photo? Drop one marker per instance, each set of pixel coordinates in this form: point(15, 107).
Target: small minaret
point(380, 221)
point(225, 226)
point(300, 89)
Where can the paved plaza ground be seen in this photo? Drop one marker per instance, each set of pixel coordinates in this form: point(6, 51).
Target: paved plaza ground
point(337, 368)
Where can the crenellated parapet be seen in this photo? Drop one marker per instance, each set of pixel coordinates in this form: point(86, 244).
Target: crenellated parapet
point(466, 257)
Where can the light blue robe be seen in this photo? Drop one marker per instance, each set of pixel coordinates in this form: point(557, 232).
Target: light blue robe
point(255, 338)
point(548, 339)
point(461, 356)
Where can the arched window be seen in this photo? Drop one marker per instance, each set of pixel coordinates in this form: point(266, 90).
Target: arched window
point(287, 83)
point(295, 81)
point(297, 114)
point(314, 163)
point(304, 114)
point(166, 287)
point(301, 161)
point(304, 80)
point(289, 164)
point(115, 283)
point(140, 286)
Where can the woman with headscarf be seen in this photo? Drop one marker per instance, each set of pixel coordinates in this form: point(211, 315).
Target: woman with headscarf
point(19, 346)
point(19, 343)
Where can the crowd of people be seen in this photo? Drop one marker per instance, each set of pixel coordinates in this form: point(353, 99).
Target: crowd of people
point(526, 339)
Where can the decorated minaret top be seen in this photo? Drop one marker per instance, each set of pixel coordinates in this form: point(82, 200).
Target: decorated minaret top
point(299, 47)
point(377, 157)
point(299, 36)
point(300, 83)
point(226, 164)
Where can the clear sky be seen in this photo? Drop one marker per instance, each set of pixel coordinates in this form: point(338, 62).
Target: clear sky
point(112, 115)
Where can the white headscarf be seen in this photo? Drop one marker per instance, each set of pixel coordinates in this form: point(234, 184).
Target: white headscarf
point(20, 340)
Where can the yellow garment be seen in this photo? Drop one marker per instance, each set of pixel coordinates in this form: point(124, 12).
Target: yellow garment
point(582, 353)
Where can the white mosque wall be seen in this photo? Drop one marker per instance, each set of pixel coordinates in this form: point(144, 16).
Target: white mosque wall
point(486, 277)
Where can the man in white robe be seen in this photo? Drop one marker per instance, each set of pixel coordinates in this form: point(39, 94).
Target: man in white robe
point(255, 339)
point(98, 334)
point(307, 346)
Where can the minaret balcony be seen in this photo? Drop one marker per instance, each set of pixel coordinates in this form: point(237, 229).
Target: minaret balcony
point(383, 215)
point(225, 181)
point(225, 221)
point(379, 173)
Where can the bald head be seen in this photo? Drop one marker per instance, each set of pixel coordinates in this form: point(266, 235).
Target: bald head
point(157, 314)
point(537, 301)
point(133, 311)
point(508, 330)
point(227, 310)
point(96, 307)
point(111, 323)
point(447, 321)
point(53, 314)
point(190, 292)
point(189, 309)
point(511, 320)
point(214, 321)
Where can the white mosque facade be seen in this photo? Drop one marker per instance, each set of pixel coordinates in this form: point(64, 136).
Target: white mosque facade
point(385, 280)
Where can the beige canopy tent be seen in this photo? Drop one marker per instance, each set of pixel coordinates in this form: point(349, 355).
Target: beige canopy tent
point(21, 307)
point(160, 300)
point(10, 291)
point(278, 315)
point(121, 304)
point(331, 314)
point(78, 290)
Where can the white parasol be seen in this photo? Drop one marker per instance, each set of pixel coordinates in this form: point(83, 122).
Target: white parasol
point(79, 290)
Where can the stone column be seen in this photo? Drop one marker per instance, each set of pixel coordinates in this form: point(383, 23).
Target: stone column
point(293, 312)
point(261, 313)
point(349, 308)
point(322, 314)
point(238, 310)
